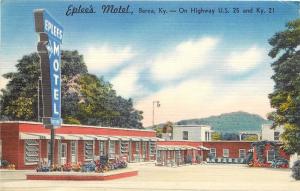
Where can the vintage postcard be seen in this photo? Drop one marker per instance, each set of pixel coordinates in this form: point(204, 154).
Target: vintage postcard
point(149, 95)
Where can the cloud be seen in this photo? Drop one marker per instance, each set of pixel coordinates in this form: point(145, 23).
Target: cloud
point(194, 97)
point(3, 82)
point(177, 102)
point(186, 57)
point(198, 98)
point(6, 66)
point(126, 82)
point(105, 58)
point(241, 62)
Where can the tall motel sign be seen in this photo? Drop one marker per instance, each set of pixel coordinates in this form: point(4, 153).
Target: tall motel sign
point(49, 49)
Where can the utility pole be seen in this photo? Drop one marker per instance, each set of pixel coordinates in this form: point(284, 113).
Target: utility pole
point(153, 106)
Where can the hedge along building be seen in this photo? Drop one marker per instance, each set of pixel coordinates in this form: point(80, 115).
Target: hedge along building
point(268, 154)
point(25, 144)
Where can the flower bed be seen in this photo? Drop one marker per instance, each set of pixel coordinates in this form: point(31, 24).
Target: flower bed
point(7, 165)
point(93, 166)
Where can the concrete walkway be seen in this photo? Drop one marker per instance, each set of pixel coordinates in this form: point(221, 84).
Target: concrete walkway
point(195, 177)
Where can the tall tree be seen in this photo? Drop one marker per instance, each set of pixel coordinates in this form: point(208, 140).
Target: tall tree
point(86, 99)
point(19, 99)
point(286, 96)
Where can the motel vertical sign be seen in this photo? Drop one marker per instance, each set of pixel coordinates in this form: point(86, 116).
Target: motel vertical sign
point(49, 49)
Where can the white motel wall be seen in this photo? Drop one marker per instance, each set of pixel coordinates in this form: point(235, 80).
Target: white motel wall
point(192, 132)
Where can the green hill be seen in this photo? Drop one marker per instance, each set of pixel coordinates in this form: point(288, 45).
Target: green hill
point(229, 122)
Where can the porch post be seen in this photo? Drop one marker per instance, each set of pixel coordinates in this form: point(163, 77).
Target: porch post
point(129, 151)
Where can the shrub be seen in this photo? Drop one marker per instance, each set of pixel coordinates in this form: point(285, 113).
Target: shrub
point(279, 163)
point(249, 158)
point(188, 159)
point(296, 170)
point(67, 167)
point(4, 163)
point(76, 167)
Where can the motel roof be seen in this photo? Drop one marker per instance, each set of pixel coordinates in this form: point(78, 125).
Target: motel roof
point(35, 130)
point(74, 125)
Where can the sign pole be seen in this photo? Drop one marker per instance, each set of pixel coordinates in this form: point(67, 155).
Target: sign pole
point(52, 143)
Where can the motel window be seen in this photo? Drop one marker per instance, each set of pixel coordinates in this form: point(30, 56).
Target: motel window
point(213, 152)
point(73, 151)
point(270, 155)
point(124, 147)
point(207, 136)
point(112, 149)
point(152, 148)
point(225, 152)
point(242, 153)
point(185, 135)
point(102, 148)
point(89, 150)
point(276, 136)
point(144, 149)
point(31, 152)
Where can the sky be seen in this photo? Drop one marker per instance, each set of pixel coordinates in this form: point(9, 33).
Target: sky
point(196, 65)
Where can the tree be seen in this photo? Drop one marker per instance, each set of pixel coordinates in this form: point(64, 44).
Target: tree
point(86, 99)
point(72, 68)
point(168, 127)
point(19, 99)
point(158, 131)
point(216, 136)
point(251, 138)
point(286, 95)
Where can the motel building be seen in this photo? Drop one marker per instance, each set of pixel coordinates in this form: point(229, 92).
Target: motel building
point(176, 153)
point(25, 144)
point(192, 144)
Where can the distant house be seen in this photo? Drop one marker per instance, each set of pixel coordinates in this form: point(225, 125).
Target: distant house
point(192, 132)
point(268, 134)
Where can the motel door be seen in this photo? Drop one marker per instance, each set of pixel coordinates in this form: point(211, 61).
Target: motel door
point(63, 154)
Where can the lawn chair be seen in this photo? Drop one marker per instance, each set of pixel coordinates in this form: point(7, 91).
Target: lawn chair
point(224, 160)
point(240, 160)
point(243, 161)
point(235, 160)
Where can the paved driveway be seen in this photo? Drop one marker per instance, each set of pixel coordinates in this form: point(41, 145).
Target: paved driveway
point(195, 177)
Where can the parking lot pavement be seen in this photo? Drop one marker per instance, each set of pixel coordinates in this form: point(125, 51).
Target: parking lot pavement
point(192, 177)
